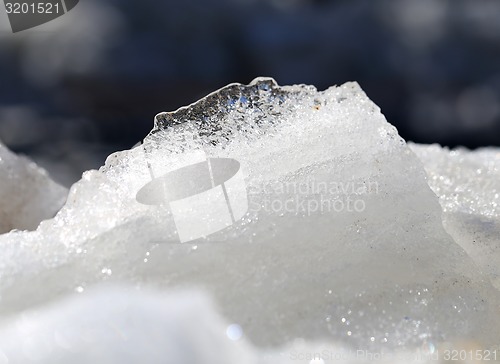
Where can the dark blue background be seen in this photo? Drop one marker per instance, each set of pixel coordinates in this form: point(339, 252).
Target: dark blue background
point(69, 98)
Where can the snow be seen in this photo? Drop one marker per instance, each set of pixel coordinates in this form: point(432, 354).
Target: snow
point(468, 186)
point(343, 241)
point(27, 194)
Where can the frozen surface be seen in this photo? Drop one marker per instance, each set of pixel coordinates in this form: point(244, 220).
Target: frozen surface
point(465, 181)
point(117, 325)
point(27, 194)
point(468, 186)
point(127, 326)
point(343, 240)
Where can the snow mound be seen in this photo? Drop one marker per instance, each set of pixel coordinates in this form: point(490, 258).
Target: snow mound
point(27, 194)
point(309, 217)
point(468, 186)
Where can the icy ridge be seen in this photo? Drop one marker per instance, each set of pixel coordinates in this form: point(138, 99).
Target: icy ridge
point(378, 273)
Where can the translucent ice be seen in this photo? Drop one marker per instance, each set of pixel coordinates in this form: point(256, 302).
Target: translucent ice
point(27, 194)
point(342, 241)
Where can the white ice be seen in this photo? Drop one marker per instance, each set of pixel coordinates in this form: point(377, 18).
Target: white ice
point(343, 242)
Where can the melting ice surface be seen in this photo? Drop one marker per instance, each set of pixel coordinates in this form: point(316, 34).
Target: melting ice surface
point(342, 242)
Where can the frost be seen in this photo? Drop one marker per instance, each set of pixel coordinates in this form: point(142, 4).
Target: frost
point(343, 240)
point(27, 194)
point(466, 182)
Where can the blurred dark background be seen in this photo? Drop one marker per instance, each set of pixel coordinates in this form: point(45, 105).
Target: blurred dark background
point(89, 83)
